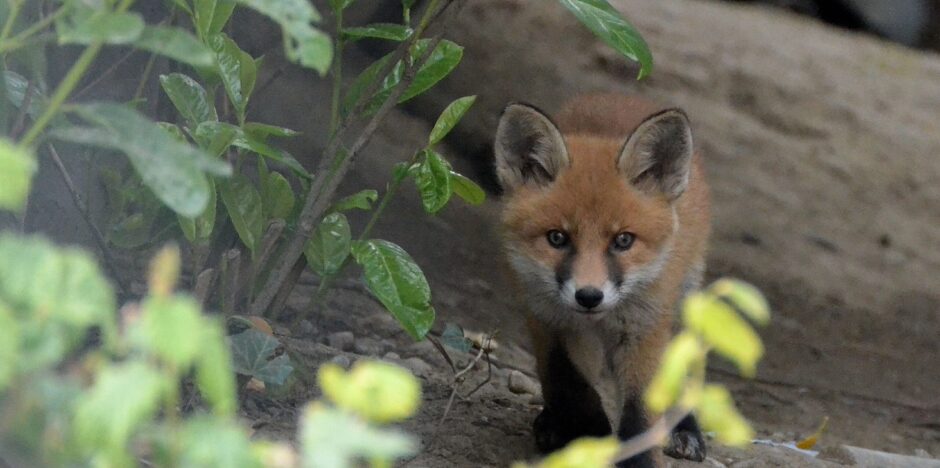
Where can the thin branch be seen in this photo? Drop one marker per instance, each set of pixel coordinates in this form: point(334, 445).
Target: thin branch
point(83, 210)
point(333, 168)
point(652, 437)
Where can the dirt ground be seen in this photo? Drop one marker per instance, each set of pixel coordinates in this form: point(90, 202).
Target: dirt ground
point(821, 149)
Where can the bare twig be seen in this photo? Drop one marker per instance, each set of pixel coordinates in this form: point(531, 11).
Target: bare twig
point(231, 273)
point(440, 349)
point(458, 379)
point(333, 167)
point(652, 437)
point(86, 216)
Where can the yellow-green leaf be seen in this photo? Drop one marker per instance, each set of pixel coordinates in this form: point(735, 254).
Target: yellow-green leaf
point(745, 297)
point(721, 327)
point(716, 413)
point(587, 452)
point(377, 391)
point(17, 167)
point(683, 352)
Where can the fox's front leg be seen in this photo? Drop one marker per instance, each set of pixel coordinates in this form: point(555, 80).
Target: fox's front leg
point(572, 407)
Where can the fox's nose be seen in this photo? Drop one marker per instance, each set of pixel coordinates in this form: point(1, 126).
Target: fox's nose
point(589, 297)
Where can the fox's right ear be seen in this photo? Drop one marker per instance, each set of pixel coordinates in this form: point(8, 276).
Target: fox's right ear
point(529, 148)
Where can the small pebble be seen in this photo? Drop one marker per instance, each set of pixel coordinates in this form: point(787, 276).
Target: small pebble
point(391, 356)
point(307, 328)
point(343, 341)
point(341, 360)
point(520, 383)
point(369, 347)
point(417, 366)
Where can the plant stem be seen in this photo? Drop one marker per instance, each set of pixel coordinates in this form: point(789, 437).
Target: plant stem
point(62, 92)
point(15, 8)
point(337, 73)
point(37, 26)
point(324, 185)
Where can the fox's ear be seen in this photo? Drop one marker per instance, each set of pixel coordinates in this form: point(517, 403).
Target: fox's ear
point(529, 148)
point(657, 157)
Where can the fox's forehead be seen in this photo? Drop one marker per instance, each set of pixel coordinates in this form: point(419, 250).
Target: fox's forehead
point(589, 198)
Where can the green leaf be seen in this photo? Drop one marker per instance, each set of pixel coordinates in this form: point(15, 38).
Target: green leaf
point(17, 167)
point(216, 137)
point(449, 118)
point(683, 353)
point(123, 398)
point(252, 352)
point(716, 413)
point(721, 327)
point(262, 131)
point(278, 198)
point(170, 328)
point(87, 27)
point(432, 177)
point(16, 86)
point(259, 146)
point(454, 337)
point(189, 98)
point(331, 438)
point(303, 44)
point(212, 441)
point(214, 373)
point(378, 391)
point(607, 24)
point(362, 200)
point(746, 298)
point(243, 203)
point(443, 59)
point(466, 189)
point(237, 70)
point(210, 16)
point(388, 31)
point(172, 169)
point(174, 130)
point(177, 44)
point(329, 245)
point(394, 278)
point(9, 345)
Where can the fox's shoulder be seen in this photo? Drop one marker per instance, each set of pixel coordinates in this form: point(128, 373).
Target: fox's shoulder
point(611, 115)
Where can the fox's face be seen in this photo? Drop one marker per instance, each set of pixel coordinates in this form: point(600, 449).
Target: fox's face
point(589, 221)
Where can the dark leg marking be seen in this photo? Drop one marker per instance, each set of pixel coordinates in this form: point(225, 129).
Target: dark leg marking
point(632, 423)
point(686, 441)
point(572, 407)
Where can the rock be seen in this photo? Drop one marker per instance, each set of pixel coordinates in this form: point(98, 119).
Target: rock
point(307, 328)
point(341, 360)
point(391, 356)
point(369, 347)
point(343, 341)
point(417, 366)
point(520, 383)
point(865, 458)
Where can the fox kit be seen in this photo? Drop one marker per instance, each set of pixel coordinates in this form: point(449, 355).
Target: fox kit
point(605, 225)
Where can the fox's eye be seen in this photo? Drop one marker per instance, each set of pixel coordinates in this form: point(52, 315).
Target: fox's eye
point(556, 238)
point(623, 241)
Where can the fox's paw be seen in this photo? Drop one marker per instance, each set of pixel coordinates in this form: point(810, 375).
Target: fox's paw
point(549, 435)
point(686, 444)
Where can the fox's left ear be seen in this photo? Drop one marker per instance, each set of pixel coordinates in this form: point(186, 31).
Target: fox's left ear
point(657, 157)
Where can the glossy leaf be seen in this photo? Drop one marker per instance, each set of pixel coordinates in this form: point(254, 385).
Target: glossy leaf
point(278, 197)
point(303, 43)
point(172, 169)
point(216, 137)
point(449, 118)
point(237, 70)
point(16, 86)
point(175, 43)
point(87, 27)
point(716, 413)
point(443, 60)
point(259, 146)
point(432, 177)
point(331, 438)
point(377, 391)
point(243, 204)
point(387, 31)
point(262, 131)
point(466, 189)
point(189, 98)
point(329, 245)
point(211, 16)
point(608, 24)
point(17, 166)
point(721, 327)
point(252, 353)
point(394, 278)
point(362, 200)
